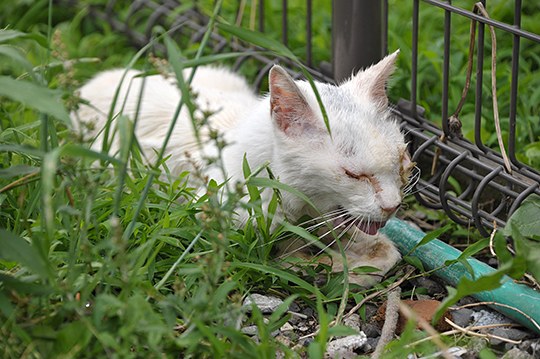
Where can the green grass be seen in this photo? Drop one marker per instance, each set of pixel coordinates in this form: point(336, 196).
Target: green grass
point(102, 256)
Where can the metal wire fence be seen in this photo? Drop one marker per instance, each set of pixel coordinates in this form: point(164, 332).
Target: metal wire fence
point(488, 191)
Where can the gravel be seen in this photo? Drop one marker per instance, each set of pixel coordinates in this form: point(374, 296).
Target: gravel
point(300, 329)
point(266, 304)
point(347, 347)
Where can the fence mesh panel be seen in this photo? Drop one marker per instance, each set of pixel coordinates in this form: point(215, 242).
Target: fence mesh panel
point(466, 179)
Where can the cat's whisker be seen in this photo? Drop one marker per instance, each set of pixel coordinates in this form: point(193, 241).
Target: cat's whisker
point(322, 250)
point(324, 216)
point(332, 230)
point(413, 180)
point(348, 223)
point(326, 221)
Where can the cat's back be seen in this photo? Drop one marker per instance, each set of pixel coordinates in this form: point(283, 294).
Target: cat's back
point(225, 94)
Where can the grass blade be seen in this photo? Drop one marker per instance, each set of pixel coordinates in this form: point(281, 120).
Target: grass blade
point(35, 96)
point(15, 248)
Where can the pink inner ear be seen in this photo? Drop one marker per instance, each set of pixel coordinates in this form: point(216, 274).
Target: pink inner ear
point(406, 166)
point(406, 161)
point(283, 108)
point(374, 79)
point(288, 106)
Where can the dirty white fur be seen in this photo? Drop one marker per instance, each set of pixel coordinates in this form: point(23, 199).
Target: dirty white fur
point(286, 129)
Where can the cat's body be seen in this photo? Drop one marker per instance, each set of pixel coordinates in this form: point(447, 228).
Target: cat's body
point(355, 176)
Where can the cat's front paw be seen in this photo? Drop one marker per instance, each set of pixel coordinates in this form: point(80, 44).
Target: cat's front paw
point(378, 252)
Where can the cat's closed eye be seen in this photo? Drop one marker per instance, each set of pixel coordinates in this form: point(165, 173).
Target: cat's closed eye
point(356, 176)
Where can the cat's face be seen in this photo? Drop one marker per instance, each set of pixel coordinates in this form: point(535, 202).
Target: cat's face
point(357, 175)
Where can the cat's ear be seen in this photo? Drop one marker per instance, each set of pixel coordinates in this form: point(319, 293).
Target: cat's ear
point(373, 80)
point(288, 106)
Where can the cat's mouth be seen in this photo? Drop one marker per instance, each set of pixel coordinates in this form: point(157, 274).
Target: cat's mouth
point(368, 227)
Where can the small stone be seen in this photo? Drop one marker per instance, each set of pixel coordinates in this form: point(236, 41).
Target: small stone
point(420, 215)
point(462, 317)
point(508, 333)
point(454, 352)
point(296, 317)
point(291, 334)
point(308, 311)
point(493, 262)
point(294, 307)
point(515, 353)
point(484, 317)
point(532, 346)
point(266, 304)
point(250, 330)
point(371, 330)
point(432, 287)
point(352, 322)
point(346, 347)
point(371, 310)
point(423, 296)
point(303, 328)
point(286, 327)
point(283, 340)
point(306, 342)
point(475, 346)
point(371, 344)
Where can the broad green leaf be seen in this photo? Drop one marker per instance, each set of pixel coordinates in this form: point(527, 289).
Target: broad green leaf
point(431, 236)
point(27, 150)
point(39, 98)
point(341, 330)
point(7, 35)
point(365, 269)
point(526, 219)
point(415, 261)
point(474, 248)
point(21, 286)
point(468, 286)
point(530, 250)
point(15, 248)
point(18, 170)
point(72, 338)
point(524, 228)
point(6, 308)
point(486, 353)
point(16, 55)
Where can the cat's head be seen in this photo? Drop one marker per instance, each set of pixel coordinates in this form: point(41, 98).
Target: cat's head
point(357, 174)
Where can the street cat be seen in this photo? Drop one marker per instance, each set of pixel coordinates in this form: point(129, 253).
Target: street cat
point(355, 174)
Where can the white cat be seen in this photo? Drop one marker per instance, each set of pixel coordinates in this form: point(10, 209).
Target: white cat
point(355, 176)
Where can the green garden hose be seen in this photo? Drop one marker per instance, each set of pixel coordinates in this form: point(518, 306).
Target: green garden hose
point(435, 253)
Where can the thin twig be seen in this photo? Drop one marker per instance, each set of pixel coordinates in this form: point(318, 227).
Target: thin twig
point(367, 298)
point(454, 121)
point(478, 6)
point(491, 239)
point(19, 181)
point(456, 331)
point(70, 197)
point(380, 292)
point(390, 322)
point(410, 314)
point(481, 335)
